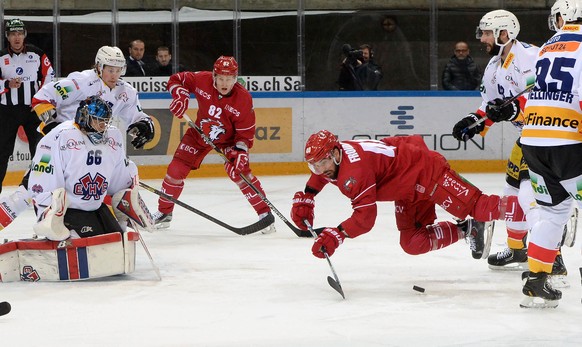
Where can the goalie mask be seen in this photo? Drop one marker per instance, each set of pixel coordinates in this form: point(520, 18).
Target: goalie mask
point(318, 150)
point(94, 117)
point(498, 21)
point(110, 56)
point(569, 10)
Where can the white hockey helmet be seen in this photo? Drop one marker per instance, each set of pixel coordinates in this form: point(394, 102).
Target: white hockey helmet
point(110, 56)
point(569, 10)
point(497, 21)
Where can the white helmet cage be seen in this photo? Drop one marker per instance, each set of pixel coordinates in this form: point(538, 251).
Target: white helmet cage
point(497, 21)
point(110, 56)
point(569, 10)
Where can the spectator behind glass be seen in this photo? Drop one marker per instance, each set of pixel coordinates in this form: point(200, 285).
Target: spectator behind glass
point(137, 65)
point(461, 72)
point(164, 62)
point(358, 70)
point(369, 73)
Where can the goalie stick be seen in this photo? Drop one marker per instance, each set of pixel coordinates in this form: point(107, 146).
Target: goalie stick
point(333, 282)
point(253, 228)
point(484, 118)
point(297, 231)
point(135, 227)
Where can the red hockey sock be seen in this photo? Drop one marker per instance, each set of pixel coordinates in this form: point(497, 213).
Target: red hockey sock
point(174, 190)
point(430, 238)
point(253, 198)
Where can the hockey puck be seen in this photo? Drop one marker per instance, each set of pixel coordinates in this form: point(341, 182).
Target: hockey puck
point(418, 289)
point(5, 308)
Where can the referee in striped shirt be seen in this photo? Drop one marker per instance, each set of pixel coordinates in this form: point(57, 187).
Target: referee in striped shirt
point(24, 68)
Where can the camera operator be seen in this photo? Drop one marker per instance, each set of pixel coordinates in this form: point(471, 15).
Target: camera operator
point(358, 70)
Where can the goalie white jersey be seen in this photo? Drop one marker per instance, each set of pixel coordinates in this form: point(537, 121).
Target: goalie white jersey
point(66, 158)
point(66, 94)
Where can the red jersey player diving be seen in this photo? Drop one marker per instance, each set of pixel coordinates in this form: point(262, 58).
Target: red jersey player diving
point(403, 170)
point(226, 115)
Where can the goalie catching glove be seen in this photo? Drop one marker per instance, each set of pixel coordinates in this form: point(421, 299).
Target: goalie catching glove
point(498, 112)
point(142, 132)
point(128, 204)
point(303, 208)
point(461, 130)
point(327, 241)
point(238, 160)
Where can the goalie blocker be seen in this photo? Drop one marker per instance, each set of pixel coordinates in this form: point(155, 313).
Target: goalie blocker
point(69, 260)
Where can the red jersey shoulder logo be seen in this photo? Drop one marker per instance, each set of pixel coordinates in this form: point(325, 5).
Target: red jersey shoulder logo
point(349, 184)
point(213, 128)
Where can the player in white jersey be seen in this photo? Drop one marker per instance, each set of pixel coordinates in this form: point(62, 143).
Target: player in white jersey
point(76, 165)
point(552, 143)
point(510, 71)
point(57, 102)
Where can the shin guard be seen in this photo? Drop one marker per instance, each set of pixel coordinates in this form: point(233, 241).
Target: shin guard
point(253, 198)
point(173, 188)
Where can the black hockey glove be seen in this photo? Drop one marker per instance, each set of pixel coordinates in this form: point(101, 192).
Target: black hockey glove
point(498, 113)
point(461, 130)
point(142, 132)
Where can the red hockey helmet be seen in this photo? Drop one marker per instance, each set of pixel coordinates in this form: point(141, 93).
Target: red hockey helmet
point(225, 66)
point(320, 145)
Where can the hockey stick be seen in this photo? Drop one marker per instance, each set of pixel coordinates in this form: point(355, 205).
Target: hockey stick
point(297, 231)
point(145, 248)
point(484, 118)
point(333, 282)
point(253, 228)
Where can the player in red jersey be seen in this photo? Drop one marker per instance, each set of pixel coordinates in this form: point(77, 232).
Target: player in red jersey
point(403, 170)
point(226, 115)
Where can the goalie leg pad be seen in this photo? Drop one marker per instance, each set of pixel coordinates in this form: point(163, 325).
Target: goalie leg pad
point(9, 264)
point(70, 260)
point(52, 224)
point(129, 204)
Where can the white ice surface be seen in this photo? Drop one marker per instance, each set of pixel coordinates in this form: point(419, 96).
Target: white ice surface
point(222, 289)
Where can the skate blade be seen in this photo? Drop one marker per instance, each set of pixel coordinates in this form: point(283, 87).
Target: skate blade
point(559, 281)
point(535, 302)
point(162, 225)
point(489, 227)
point(572, 227)
point(269, 230)
point(510, 267)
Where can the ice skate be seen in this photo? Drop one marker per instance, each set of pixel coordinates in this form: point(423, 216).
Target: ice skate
point(162, 220)
point(271, 227)
point(538, 291)
point(475, 234)
point(508, 260)
point(558, 277)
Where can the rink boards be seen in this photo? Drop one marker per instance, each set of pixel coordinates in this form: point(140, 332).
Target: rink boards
point(286, 119)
